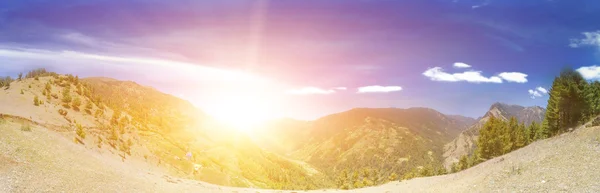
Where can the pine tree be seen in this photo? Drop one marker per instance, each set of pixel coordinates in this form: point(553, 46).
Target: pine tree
point(567, 105)
point(509, 137)
point(530, 132)
point(521, 137)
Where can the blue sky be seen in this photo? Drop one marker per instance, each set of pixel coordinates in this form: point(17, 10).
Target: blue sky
point(306, 59)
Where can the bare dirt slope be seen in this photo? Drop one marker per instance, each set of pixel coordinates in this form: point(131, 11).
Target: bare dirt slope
point(567, 163)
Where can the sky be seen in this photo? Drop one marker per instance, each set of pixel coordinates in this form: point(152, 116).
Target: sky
point(306, 59)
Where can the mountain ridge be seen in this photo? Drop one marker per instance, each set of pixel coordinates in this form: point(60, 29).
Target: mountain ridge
point(465, 142)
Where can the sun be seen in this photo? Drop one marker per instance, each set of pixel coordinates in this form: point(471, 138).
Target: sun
point(242, 112)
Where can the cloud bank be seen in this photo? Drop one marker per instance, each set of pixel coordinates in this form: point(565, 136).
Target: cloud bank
point(590, 72)
point(379, 89)
point(438, 74)
point(514, 77)
point(590, 39)
point(537, 92)
point(472, 76)
point(461, 65)
point(310, 90)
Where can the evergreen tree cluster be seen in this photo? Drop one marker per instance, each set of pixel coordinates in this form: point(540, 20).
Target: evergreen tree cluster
point(498, 137)
point(40, 72)
point(572, 102)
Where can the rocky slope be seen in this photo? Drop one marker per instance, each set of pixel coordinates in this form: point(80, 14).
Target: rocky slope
point(466, 141)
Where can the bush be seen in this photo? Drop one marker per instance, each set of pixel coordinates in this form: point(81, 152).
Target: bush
point(66, 105)
point(25, 127)
point(80, 132)
point(22, 91)
point(36, 101)
point(5, 82)
point(62, 112)
point(66, 95)
point(76, 103)
point(99, 142)
point(596, 122)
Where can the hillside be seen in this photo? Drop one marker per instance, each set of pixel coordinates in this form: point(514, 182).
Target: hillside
point(43, 160)
point(465, 143)
point(380, 142)
point(134, 122)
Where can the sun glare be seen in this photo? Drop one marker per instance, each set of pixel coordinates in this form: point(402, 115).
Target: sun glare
point(242, 112)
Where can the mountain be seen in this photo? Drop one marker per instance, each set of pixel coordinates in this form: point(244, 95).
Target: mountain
point(380, 140)
point(128, 122)
point(282, 136)
point(465, 143)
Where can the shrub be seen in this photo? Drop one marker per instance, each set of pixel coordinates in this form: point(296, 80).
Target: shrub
point(5, 82)
point(36, 101)
point(99, 142)
point(62, 112)
point(22, 91)
point(80, 132)
point(25, 127)
point(596, 122)
point(76, 103)
point(48, 86)
point(20, 76)
point(66, 95)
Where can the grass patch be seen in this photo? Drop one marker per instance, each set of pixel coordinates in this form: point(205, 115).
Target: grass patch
point(26, 127)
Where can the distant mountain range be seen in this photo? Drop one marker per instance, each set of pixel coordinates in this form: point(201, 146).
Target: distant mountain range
point(466, 141)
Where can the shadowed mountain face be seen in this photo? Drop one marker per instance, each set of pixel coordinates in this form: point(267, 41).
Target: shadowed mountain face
point(465, 143)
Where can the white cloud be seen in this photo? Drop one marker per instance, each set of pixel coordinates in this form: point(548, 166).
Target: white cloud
point(67, 61)
point(341, 88)
point(310, 90)
point(537, 92)
point(377, 88)
point(461, 65)
point(590, 39)
point(514, 77)
point(438, 74)
point(542, 90)
point(590, 72)
point(534, 94)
